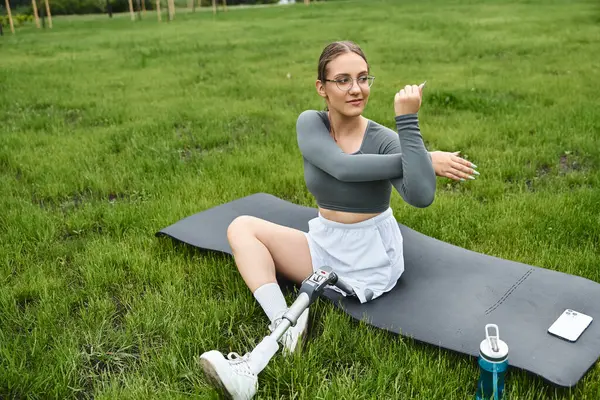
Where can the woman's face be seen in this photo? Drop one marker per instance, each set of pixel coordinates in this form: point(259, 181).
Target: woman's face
point(350, 94)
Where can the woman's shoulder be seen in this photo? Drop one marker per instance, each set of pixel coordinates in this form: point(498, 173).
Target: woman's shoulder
point(313, 114)
point(309, 117)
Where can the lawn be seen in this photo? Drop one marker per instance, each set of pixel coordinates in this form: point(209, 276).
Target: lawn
point(111, 130)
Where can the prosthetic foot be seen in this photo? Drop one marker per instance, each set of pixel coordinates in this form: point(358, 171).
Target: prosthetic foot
point(237, 376)
point(232, 375)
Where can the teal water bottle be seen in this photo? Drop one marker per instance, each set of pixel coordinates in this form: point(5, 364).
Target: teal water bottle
point(493, 363)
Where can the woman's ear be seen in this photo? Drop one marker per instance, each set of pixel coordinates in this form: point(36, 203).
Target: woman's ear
point(320, 89)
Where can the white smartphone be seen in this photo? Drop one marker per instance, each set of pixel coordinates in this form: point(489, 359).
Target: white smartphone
point(570, 325)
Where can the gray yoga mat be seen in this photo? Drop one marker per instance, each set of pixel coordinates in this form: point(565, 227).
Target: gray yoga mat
point(447, 294)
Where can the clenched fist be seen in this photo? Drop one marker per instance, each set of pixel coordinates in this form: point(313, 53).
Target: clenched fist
point(408, 100)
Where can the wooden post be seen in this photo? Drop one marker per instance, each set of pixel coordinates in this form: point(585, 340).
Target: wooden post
point(48, 13)
point(158, 13)
point(10, 20)
point(35, 13)
point(225, 5)
point(214, 3)
point(131, 10)
point(144, 7)
point(171, 4)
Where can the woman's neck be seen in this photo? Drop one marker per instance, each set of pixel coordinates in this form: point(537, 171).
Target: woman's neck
point(346, 126)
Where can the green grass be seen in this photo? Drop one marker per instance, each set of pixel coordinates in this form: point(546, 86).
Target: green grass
point(112, 130)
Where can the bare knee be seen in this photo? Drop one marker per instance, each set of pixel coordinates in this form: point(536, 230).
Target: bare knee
point(240, 227)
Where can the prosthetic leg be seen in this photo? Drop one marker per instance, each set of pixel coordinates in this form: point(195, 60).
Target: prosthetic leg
point(236, 375)
point(310, 290)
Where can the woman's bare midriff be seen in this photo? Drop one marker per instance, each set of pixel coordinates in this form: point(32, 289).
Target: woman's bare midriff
point(344, 217)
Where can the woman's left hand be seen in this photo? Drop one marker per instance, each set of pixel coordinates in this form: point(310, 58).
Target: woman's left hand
point(450, 165)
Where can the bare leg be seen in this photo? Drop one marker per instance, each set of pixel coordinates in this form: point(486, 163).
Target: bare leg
point(261, 247)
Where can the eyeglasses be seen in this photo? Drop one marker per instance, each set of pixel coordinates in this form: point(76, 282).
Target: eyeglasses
point(346, 83)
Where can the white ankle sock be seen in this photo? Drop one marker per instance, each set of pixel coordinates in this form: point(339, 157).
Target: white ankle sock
point(271, 299)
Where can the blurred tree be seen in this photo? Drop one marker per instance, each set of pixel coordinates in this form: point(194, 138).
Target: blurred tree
point(62, 7)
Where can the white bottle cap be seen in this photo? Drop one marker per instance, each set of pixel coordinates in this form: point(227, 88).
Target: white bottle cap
point(492, 348)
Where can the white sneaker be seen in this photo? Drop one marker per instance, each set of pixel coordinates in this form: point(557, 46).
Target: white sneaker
point(232, 375)
point(290, 338)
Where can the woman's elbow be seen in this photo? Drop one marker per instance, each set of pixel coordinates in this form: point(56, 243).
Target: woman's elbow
point(423, 198)
point(423, 202)
point(427, 201)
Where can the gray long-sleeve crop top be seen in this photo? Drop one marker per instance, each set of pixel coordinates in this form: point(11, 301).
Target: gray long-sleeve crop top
point(362, 182)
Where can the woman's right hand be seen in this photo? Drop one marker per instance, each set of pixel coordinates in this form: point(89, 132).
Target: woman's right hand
point(408, 100)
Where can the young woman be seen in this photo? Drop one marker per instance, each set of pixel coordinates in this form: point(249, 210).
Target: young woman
point(351, 165)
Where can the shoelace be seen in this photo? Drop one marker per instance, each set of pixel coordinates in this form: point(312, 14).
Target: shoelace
point(277, 320)
point(273, 325)
point(287, 336)
point(236, 358)
point(240, 363)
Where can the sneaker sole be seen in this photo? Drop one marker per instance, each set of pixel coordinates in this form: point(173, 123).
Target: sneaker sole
point(214, 378)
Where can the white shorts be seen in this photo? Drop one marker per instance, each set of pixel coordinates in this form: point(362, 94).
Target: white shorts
point(367, 255)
